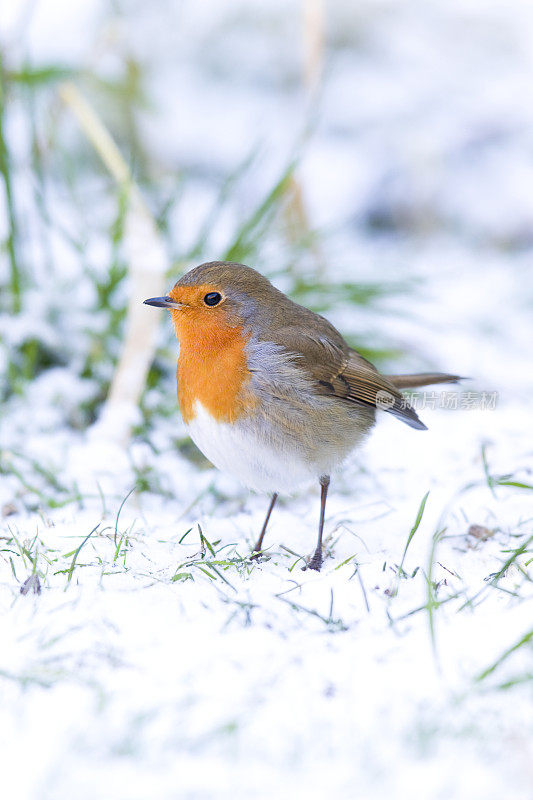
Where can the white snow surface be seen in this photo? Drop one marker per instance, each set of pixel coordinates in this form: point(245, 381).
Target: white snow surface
point(155, 669)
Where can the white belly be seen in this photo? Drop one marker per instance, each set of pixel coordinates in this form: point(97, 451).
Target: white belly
point(239, 450)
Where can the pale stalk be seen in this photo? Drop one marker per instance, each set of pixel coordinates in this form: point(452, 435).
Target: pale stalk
point(147, 264)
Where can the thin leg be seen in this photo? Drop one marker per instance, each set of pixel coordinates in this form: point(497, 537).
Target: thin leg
point(259, 544)
point(316, 561)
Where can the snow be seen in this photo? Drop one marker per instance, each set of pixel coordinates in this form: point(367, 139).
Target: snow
point(147, 667)
point(212, 689)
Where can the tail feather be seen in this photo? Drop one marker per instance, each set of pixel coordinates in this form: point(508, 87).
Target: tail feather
point(422, 379)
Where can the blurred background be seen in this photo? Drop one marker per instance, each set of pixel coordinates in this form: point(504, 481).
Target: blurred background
point(374, 159)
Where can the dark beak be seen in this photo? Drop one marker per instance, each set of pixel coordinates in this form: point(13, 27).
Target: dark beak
point(162, 302)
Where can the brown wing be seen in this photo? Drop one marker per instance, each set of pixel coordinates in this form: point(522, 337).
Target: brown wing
point(343, 372)
point(361, 382)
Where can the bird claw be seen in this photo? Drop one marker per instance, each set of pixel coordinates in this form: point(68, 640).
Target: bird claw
point(257, 554)
point(315, 562)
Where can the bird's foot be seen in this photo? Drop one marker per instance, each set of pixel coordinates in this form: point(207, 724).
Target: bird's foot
point(257, 554)
point(315, 562)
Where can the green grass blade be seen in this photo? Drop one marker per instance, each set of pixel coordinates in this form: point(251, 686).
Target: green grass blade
point(527, 637)
point(245, 241)
point(412, 532)
point(12, 236)
point(70, 571)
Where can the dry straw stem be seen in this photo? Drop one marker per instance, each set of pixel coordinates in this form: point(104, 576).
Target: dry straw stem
point(313, 42)
point(296, 216)
point(147, 265)
point(297, 223)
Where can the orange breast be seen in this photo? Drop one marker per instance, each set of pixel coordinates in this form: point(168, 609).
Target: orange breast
point(212, 368)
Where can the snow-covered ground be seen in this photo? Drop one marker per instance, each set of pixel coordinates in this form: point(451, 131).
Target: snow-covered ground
point(157, 661)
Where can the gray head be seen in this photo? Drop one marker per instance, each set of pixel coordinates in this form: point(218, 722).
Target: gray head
point(230, 292)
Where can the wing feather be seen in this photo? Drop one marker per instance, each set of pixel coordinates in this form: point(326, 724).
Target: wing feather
point(342, 372)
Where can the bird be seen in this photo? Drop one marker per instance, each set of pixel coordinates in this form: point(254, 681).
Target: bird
point(269, 390)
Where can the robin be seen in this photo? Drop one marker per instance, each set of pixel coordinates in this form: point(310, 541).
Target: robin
point(269, 390)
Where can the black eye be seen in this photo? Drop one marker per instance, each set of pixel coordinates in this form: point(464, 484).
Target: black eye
point(212, 298)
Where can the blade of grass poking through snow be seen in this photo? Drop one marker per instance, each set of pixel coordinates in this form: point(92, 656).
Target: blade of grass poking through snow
point(70, 571)
point(124, 538)
point(494, 579)
point(524, 640)
point(488, 476)
point(118, 514)
point(500, 480)
point(418, 520)
point(333, 624)
point(516, 484)
point(432, 602)
point(204, 542)
point(512, 558)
